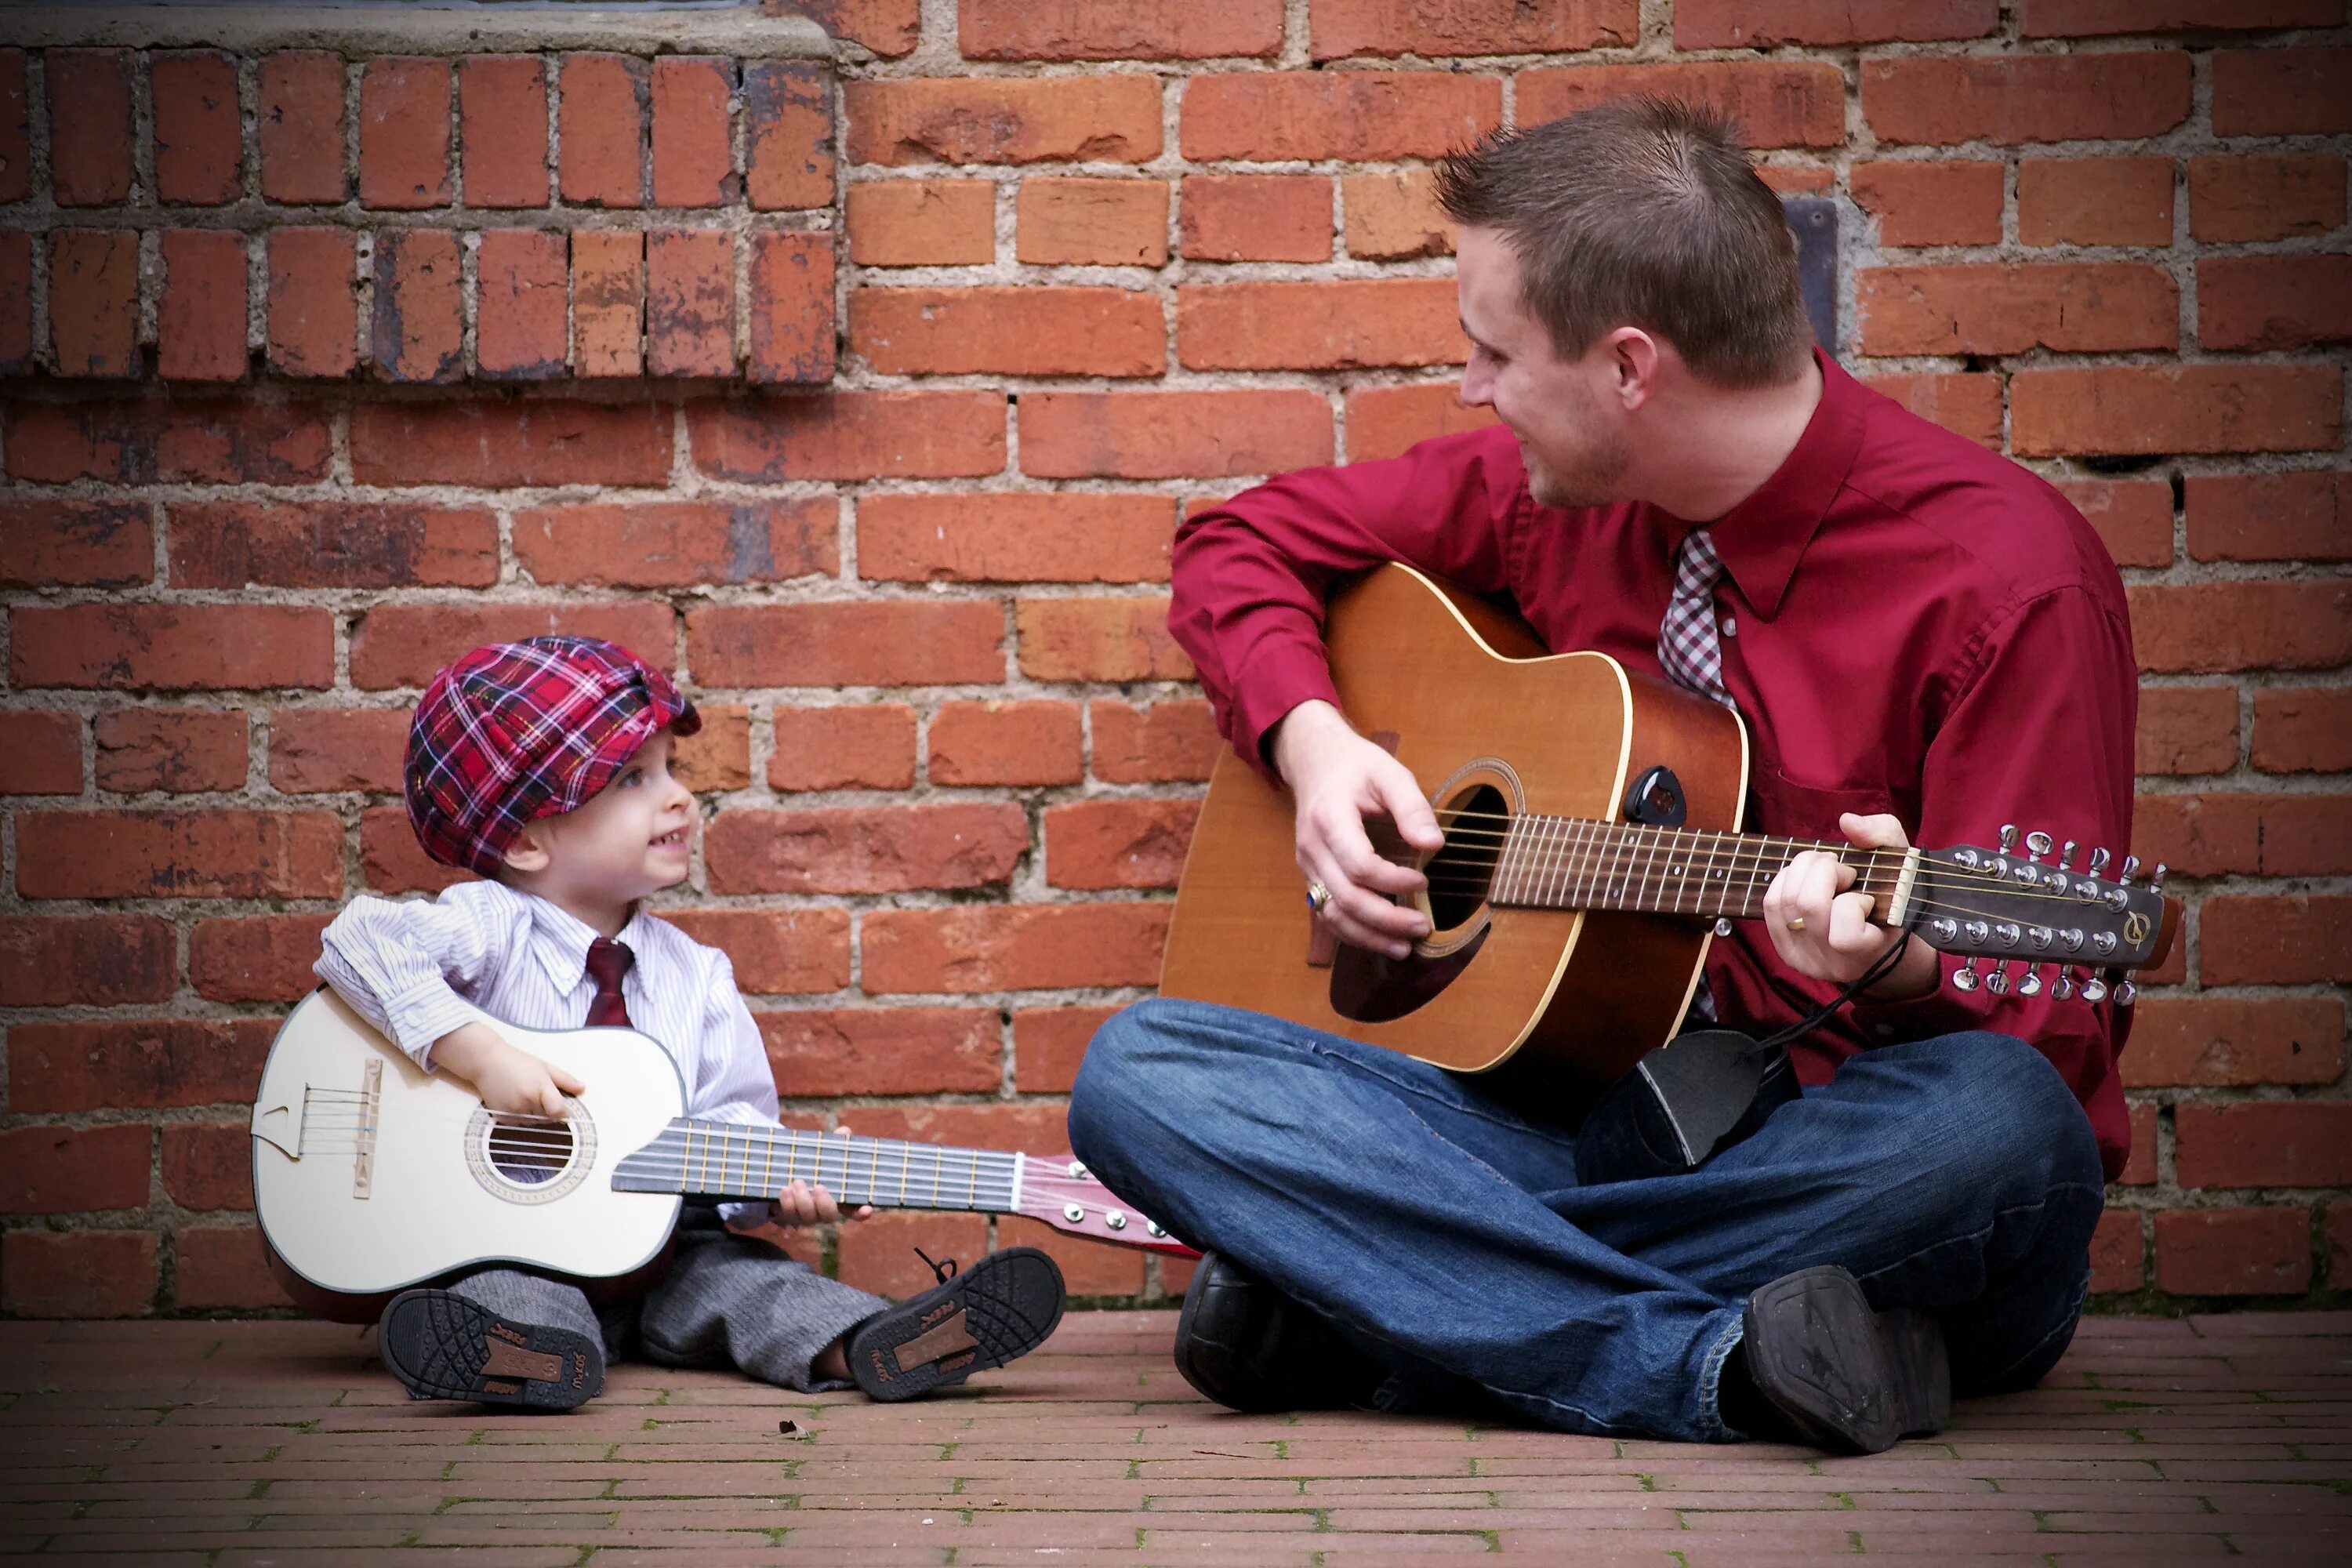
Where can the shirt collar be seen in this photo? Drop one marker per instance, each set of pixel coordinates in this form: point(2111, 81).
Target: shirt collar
point(561, 941)
point(1761, 538)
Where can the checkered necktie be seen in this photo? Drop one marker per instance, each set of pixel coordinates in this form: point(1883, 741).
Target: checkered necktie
point(1688, 649)
point(607, 962)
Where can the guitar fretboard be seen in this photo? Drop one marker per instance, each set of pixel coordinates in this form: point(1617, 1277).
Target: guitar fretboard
point(1578, 863)
point(725, 1160)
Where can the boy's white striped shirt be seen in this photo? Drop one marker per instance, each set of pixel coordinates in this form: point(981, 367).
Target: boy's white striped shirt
point(418, 968)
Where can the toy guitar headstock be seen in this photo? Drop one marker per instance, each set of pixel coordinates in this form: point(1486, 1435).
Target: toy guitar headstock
point(1060, 1191)
point(2032, 911)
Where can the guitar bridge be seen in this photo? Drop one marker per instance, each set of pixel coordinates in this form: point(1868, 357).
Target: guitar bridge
point(371, 1099)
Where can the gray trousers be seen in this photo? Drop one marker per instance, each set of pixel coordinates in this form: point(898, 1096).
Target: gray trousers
point(727, 1301)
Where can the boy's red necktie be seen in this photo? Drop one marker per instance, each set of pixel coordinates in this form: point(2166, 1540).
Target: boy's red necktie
point(607, 962)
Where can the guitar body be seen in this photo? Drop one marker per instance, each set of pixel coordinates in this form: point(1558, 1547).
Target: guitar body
point(442, 1190)
point(1488, 720)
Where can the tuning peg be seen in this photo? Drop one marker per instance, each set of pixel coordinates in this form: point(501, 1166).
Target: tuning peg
point(2031, 984)
point(2064, 986)
point(1997, 981)
point(2037, 845)
point(2127, 994)
point(2155, 879)
point(2008, 837)
point(2098, 865)
point(1964, 978)
point(2131, 869)
point(2094, 988)
point(2066, 855)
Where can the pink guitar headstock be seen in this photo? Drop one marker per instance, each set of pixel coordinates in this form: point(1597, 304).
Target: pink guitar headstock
point(1059, 1190)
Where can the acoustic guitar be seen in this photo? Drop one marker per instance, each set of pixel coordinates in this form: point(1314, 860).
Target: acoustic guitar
point(371, 1176)
point(1592, 846)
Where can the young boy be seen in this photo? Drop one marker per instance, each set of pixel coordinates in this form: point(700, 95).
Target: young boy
point(545, 767)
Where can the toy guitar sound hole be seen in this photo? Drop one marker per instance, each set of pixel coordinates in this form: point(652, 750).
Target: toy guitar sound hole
point(530, 1159)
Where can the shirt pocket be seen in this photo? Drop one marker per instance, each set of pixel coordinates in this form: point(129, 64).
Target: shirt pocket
point(1795, 810)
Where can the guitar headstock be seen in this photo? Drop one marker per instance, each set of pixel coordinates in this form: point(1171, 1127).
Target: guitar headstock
point(1060, 1191)
point(2027, 910)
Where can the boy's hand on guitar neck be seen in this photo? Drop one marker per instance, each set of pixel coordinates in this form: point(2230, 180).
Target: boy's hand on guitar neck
point(1339, 779)
point(1820, 930)
point(510, 1081)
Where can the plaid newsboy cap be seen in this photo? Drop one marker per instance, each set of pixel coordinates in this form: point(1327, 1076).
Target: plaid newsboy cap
point(518, 730)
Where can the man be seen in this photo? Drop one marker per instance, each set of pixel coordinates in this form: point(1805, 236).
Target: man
point(1924, 640)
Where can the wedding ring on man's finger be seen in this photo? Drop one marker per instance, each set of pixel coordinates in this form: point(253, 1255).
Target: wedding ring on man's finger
point(1318, 897)
point(1796, 922)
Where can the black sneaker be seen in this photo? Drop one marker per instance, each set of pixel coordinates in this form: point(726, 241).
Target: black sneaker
point(1845, 1377)
point(1001, 1308)
point(443, 1346)
point(1248, 1346)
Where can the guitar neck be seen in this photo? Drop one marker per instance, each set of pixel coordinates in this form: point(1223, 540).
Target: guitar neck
point(730, 1160)
point(1568, 862)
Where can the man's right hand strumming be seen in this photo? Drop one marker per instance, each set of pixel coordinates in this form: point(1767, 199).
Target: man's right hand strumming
point(1339, 780)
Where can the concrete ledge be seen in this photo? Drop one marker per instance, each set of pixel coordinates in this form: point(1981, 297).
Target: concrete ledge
point(368, 30)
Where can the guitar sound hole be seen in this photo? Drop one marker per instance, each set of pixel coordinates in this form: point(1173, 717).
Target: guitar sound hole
point(529, 1153)
point(1460, 873)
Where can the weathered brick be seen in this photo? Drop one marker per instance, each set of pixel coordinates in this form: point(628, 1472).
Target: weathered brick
point(16, 128)
point(2273, 301)
point(2303, 728)
point(1214, 433)
point(402, 644)
point(62, 1068)
point(16, 300)
point(2270, 516)
point(172, 646)
point(198, 127)
point(608, 302)
point(889, 28)
point(94, 301)
point(68, 1169)
point(1382, 421)
point(897, 642)
point(1091, 223)
point(40, 754)
point(1160, 742)
point(775, 953)
point(848, 746)
point(881, 1254)
point(2265, 195)
point(2187, 729)
point(264, 958)
point(200, 320)
point(79, 1274)
point(851, 436)
point(691, 303)
point(1118, 29)
point(922, 223)
point(391, 862)
point(497, 445)
point(790, 108)
point(2126, 409)
point(2233, 1041)
point(223, 1267)
point(65, 543)
point(320, 751)
point(1012, 947)
point(791, 304)
point(313, 301)
point(717, 757)
point(1263, 116)
point(1104, 118)
point(1967, 403)
point(671, 544)
point(2214, 834)
point(182, 750)
point(999, 537)
point(2281, 92)
point(1020, 331)
point(2247, 625)
point(1395, 217)
point(600, 131)
point(1117, 843)
point(2234, 1252)
point(1778, 103)
point(299, 128)
point(331, 545)
point(90, 125)
point(1334, 325)
point(404, 132)
point(154, 441)
point(97, 959)
point(2085, 18)
point(2257, 940)
point(2119, 1253)
point(2140, 1164)
point(1757, 24)
point(1048, 1044)
point(225, 854)
point(502, 129)
point(1255, 217)
point(884, 1050)
point(1939, 203)
point(1338, 28)
point(419, 332)
point(2095, 201)
point(1008, 742)
point(693, 137)
point(1098, 639)
point(866, 849)
point(521, 289)
point(2012, 99)
point(2006, 309)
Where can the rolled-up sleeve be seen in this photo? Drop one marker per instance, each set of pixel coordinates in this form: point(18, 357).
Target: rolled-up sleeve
point(400, 964)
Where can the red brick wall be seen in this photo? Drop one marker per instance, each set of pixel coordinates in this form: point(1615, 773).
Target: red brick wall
point(325, 362)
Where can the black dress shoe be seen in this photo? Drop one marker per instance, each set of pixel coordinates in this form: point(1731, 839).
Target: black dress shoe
point(1248, 1346)
point(1842, 1376)
point(442, 1345)
point(1002, 1306)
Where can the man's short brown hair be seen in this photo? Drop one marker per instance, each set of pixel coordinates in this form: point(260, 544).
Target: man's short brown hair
point(1642, 212)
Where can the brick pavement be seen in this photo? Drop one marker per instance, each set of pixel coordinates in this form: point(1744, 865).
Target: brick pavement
point(226, 1445)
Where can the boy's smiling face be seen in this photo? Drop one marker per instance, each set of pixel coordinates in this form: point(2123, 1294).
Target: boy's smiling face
point(634, 837)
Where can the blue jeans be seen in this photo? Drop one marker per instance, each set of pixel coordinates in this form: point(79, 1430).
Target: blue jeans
point(1442, 1230)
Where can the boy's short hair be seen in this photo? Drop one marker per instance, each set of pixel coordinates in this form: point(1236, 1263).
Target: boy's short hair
point(518, 730)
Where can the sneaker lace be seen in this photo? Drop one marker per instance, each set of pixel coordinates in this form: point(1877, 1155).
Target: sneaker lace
point(940, 1272)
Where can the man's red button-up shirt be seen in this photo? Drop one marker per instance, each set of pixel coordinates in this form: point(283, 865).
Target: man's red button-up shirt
point(1911, 624)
